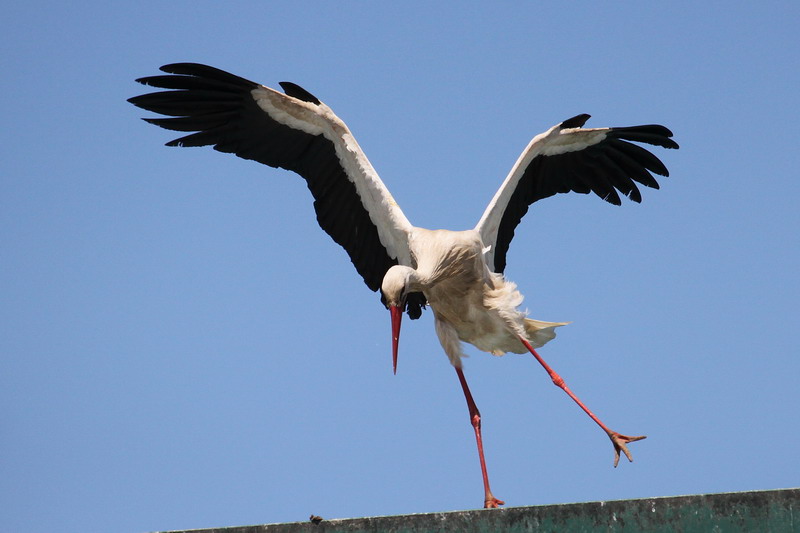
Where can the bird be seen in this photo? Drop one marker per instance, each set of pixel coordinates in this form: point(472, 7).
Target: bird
point(459, 275)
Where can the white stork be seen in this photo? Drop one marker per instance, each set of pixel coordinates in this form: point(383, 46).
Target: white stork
point(458, 273)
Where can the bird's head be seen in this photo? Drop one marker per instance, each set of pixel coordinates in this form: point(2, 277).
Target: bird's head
point(395, 289)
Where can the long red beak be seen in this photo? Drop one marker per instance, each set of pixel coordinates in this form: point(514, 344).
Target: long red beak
point(397, 317)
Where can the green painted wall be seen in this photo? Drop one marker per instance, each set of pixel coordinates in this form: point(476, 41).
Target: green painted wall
point(758, 512)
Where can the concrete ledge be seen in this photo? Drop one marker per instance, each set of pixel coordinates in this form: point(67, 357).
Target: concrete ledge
point(757, 511)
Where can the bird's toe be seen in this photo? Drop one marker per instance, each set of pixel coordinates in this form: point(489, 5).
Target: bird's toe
point(620, 445)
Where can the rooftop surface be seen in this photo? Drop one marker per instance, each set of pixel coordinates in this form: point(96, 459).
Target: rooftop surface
point(762, 511)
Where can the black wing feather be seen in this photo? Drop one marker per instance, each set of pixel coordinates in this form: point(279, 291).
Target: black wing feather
point(219, 108)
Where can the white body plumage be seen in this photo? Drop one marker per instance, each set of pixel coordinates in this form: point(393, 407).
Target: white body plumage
point(470, 303)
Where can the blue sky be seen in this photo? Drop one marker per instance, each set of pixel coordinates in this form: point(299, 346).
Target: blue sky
point(182, 347)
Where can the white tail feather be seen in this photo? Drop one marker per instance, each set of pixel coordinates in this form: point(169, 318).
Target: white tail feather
point(540, 332)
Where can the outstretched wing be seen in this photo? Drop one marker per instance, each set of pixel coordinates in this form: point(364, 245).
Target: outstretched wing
point(567, 158)
point(297, 132)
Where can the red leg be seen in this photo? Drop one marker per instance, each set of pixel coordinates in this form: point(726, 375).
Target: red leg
point(489, 500)
point(619, 441)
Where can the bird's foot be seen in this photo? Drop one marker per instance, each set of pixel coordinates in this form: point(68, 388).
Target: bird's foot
point(620, 442)
point(492, 503)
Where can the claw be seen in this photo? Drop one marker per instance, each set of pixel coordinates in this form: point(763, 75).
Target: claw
point(492, 503)
point(619, 442)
